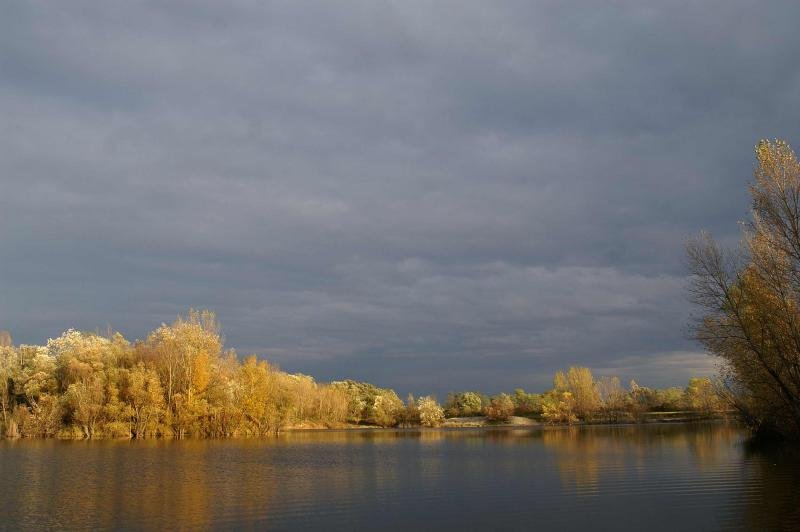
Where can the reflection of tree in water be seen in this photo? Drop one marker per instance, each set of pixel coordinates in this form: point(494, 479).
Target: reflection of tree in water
point(712, 445)
point(113, 483)
point(772, 476)
point(600, 470)
point(587, 456)
point(578, 454)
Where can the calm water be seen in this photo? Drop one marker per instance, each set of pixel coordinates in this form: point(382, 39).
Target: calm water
point(651, 477)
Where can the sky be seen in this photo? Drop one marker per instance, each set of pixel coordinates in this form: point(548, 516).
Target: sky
point(431, 196)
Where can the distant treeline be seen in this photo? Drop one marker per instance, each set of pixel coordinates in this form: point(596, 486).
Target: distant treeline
point(180, 382)
point(577, 396)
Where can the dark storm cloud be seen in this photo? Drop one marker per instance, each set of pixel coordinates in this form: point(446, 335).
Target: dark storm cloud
point(423, 195)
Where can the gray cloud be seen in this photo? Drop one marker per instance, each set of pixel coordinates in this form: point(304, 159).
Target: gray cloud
point(423, 195)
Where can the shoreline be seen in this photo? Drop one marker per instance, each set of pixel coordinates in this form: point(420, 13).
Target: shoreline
point(450, 425)
point(373, 428)
point(516, 423)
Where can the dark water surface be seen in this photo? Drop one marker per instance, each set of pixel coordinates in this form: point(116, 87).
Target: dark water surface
point(650, 477)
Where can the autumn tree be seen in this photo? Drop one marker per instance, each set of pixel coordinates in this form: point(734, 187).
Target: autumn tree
point(183, 354)
point(700, 395)
point(500, 407)
point(751, 298)
point(37, 385)
point(431, 413)
point(302, 396)
point(224, 416)
point(558, 407)
point(611, 394)
point(369, 404)
point(579, 382)
point(331, 405)
point(5, 339)
point(642, 398)
point(464, 404)
point(145, 397)
point(670, 399)
point(527, 404)
point(410, 416)
point(9, 372)
point(89, 368)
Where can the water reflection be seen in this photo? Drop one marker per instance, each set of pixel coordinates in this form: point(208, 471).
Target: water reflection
point(660, 476)
point(773, 500)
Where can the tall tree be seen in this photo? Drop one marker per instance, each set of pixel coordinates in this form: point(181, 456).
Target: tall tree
point(184, 354)
point(751, 298)
point(580, 383)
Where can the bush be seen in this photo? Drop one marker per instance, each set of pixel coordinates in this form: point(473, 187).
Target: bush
point(464, 404)
point(559, 407)
point(527, 404)
point(430, 413)
point(372, 405)
point(500, 408)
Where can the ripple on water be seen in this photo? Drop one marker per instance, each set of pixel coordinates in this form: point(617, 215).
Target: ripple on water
point(660, 477)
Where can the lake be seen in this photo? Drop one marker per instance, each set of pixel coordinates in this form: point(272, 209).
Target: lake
point(653, 477)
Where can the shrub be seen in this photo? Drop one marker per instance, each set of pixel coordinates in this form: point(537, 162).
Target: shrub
point(500, 408)
point(464, 404)
point(430, 413)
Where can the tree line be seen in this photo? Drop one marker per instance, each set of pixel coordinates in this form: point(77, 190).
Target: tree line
point(180, 381)
point(577, 396)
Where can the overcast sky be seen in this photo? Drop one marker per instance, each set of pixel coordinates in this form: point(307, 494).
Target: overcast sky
point(431, 196)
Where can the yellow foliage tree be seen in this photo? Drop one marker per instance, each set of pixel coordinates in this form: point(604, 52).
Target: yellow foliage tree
point(751, 300)
point(579, 382)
